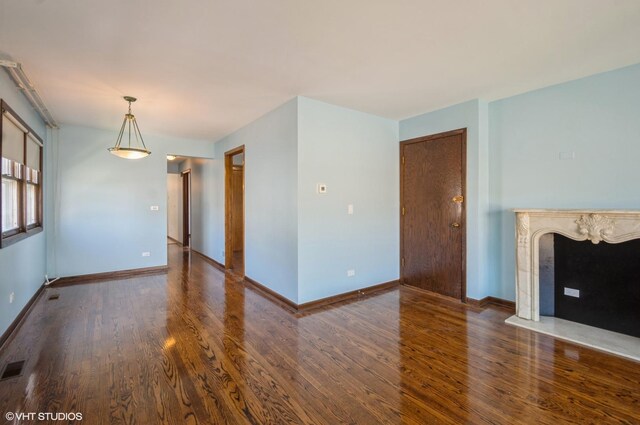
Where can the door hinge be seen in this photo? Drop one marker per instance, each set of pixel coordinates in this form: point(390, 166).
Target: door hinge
point(402, 261)
point(402, 159)
point(402, 210)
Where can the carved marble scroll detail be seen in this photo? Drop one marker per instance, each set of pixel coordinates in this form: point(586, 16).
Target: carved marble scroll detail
point(523, 229)
point(595, 227)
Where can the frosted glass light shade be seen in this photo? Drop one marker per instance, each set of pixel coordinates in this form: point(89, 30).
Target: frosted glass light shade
point(130, 153)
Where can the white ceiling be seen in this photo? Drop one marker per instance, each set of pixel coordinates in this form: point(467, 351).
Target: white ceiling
point(204, 68)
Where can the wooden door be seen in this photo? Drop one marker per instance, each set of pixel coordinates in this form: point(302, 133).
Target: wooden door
point(432, 213)
point(234, 198)
point(237, 208)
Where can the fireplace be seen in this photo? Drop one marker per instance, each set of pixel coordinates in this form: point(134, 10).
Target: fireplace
point(596, 226)
point(597, 284)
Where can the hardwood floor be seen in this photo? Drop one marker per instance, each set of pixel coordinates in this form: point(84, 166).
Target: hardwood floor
point(238, 263)
point(192, 347)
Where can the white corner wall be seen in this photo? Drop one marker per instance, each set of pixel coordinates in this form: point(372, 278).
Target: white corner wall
point(356, 155)
point(270, 200)
point(297, 243)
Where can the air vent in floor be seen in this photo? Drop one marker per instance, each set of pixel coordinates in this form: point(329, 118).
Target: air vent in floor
point(54, 297)
point(12, 370)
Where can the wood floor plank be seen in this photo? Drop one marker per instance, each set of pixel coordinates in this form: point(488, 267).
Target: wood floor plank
point(196, 346)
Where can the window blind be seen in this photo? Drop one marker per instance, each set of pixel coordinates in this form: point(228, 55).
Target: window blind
point(33, 154)
point(12, 140)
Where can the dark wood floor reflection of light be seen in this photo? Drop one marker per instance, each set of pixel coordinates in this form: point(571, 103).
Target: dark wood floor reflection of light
point(192, 347)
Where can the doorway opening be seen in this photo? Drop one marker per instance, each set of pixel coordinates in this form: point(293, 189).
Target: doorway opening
point(234, 162)
point(186, 208)
point(178, 202)
point(432, 213)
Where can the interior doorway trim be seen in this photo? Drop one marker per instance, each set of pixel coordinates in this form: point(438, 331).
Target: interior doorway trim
point(463, 219)
point(228, 223)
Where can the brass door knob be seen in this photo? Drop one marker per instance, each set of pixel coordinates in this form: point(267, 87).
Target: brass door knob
point(456, 225)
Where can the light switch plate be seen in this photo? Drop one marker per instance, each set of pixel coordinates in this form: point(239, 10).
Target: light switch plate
point(154, 208)
point(321, 188)
point(350, 209)
point(567, 155)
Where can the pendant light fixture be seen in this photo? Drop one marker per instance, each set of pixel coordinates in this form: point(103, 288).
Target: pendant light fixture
point(131, 125)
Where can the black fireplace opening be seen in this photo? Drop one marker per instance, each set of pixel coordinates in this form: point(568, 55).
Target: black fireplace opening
point(597, 284)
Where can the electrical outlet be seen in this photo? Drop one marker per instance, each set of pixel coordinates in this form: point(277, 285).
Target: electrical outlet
point(351, 273)
point(146, 254)
point(12, 297)
point(572, 292)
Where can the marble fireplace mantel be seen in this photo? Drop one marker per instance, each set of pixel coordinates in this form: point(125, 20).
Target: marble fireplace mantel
point(611, 226)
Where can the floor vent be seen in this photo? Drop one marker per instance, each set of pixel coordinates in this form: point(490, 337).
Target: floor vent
point(12, 370)
point(54, 297)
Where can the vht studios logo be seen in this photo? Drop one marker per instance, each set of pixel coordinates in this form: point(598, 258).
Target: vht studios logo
point(43, 416)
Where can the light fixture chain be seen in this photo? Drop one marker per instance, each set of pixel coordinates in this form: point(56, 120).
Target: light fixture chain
point(135, 123)
point(135, 130)
point(124, 122)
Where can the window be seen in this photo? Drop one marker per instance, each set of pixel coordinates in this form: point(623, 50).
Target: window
point(10, 204)
point(21, 190)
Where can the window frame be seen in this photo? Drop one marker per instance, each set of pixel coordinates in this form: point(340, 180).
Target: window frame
point(23, 231)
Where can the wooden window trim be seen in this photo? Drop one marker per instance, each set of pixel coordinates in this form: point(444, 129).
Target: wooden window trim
point(10, 240)
point(23, 231)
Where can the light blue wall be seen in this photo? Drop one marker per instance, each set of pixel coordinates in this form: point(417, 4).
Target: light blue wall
point(270, 200)
point(173, 167)
point(471, 115)
point(598, 118)
point(293, 237)
point(207, 205)
point(23, 264)
point(204, 212)
point(103, 220)
point(356, 156)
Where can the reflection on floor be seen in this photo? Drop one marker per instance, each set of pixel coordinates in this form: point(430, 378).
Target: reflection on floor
point(171, 241)
point(196, 346)
point(238, 263)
